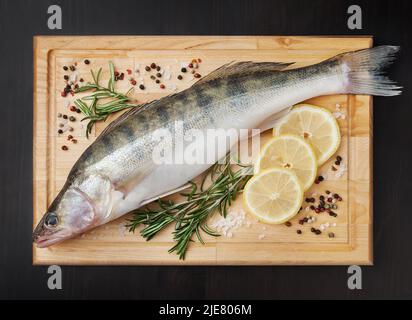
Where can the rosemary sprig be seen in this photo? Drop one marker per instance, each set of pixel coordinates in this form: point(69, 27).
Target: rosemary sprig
point(103, 101)
point(190, 216)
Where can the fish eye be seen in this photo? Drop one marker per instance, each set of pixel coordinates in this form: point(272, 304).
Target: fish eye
point(51, 220)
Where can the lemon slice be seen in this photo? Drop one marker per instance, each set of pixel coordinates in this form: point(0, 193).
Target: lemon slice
point(316, 125)
point(274, 195)
point(292, 153)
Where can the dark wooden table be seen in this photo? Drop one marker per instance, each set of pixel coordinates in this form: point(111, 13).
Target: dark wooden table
point(388, 20)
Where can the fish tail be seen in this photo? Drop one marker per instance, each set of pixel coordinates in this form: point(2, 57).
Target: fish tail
point(364, 71)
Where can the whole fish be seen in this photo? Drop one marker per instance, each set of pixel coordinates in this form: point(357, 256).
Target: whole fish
point(117, 173)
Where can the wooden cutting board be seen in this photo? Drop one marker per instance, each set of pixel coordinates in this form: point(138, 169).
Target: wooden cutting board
point(253, 243)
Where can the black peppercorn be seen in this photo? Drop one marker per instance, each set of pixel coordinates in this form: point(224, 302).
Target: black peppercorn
point(183, 70)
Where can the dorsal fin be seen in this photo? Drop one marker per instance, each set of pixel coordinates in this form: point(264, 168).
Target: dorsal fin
point(244, 67)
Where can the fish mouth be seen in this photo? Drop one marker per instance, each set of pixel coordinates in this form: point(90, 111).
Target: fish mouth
point(44, 237)
point(44, 241)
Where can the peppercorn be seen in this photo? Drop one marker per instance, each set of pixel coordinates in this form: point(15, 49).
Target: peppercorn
point(340, 199)
point(72, 68)
point(121, 77)
point(74, 141)
point(129, 72)
point(321, 178)
point(184, 70)
point(317, 210)
point(152, 77)
point(330, 200)
point(159, 75)
point(162, 86)
point(157, 81)
point(331, 235)
point(334, 206)
point(65, 68)
point(86, 61)
point(179, 77)
point(334, 169)
point(190, 65)
point(327, 192)
point(312, 229)
point(59, 115)
point(65, 148)
point(133, 82)
point(147, 68)
point(288, 224)
point(73, 108)
point(299, 231)
point(339, 158)
point(335, 195)
point(305, 220)
point(69, 137)
point(63, 94)
point(158, 68)
point(318, 232)
point(81, 80)
point(199, 60)
point(337, 163)
point(65, 116)
point(78, 110)
point(141, 87)
point(322, 198)
point(71, 129)
point(66, 77)
point(60, 131)
point(301, 222)
point(153, 65)
point(72, 119)
point(312, 207)
point(197, 75)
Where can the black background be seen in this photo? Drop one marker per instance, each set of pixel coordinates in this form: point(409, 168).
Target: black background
point(388, 21)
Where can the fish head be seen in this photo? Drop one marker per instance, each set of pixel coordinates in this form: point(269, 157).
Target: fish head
point(77, 209)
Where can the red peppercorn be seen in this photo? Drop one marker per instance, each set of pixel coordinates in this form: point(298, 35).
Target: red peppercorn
point(116, 73)
point(190, 65)
point(73, 108)
point(63, 94)
point(162, 86)
point(133, 82)
point(129, 71)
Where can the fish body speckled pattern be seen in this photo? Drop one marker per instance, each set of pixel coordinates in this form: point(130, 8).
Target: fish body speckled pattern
point(117, 174)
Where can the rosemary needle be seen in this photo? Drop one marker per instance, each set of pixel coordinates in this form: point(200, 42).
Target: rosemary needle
point(190, 215)
point(103, 101)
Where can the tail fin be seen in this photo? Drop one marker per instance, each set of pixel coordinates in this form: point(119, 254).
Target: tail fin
point(364, 70)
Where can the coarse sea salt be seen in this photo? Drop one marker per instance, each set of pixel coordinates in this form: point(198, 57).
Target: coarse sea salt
point(233, 220)
point(341, 171)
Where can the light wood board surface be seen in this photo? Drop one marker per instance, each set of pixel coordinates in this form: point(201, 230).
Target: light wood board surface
point(254, 243)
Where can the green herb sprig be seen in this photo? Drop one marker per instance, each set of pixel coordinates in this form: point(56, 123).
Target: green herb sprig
point(103, 101)
point(190, 216)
